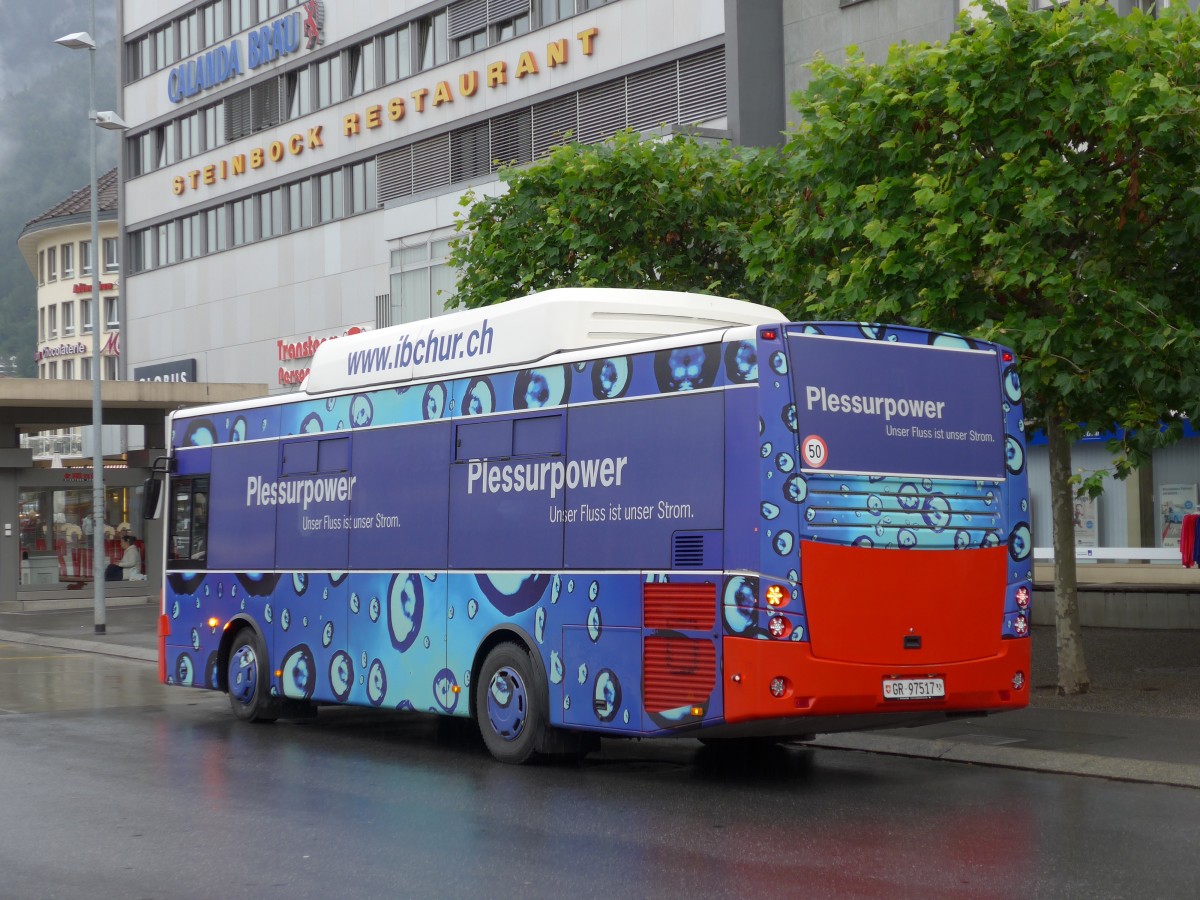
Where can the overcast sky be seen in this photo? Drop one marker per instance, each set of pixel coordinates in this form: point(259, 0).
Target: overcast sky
point(30, 27)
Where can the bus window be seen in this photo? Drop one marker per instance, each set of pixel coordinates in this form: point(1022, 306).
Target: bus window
point(188, 539)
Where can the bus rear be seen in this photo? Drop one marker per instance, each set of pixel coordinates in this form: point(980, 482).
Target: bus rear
point(894, 535)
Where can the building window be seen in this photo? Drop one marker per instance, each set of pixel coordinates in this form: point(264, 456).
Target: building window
point(360, 68)
point(112, 259)
point(111, 314)
point(299, 205)
point(190, 231)
point(164, 138)
point(214, 230)
point(270, 213)
point(41, 267)
point(432, 47)
point(397, 55)
point(189, 136)
point(68, 370)
point(85, 317)
point(243, 221)
point(329, 81)
point(85, 258)
point(299, 92)
point(214, 126)
point(164, 46)
point(167, 247)
point(68, 318)
point(110, 368)
point(214, 22)
point(422, 281)
point(139, 58)
point(329, 200)
point(52, 370)
point(240, 16)
point(510, 28)
point(469, 43)
point(141, 153)
point(42, 324)
point(67, 254)
point(51, 322)
point(85, 368)
point(52, 264)
point(362, 186)
point(189, 35)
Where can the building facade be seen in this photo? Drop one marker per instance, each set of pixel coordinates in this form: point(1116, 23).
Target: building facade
point(293, 169)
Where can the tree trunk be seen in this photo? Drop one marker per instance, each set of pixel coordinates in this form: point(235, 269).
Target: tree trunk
point(1072, 670)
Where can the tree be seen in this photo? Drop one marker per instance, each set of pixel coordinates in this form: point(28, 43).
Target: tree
point(670, 214)
point(1031, 181)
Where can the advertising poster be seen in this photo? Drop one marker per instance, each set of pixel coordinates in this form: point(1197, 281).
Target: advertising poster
point(1174, 502)
point(1087, 531)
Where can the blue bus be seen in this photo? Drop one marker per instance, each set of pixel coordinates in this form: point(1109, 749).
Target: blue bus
point(595, 512)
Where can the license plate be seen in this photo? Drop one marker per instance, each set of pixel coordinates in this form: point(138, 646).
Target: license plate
point(913, 688)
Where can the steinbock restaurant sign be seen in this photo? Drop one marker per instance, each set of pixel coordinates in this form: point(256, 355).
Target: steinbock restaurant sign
point(283, 36)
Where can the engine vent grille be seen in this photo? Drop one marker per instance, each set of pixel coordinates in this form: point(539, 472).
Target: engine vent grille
point(679, 607)
point(678, 672)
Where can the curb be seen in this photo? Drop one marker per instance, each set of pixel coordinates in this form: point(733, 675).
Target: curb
point(1112, 768)
point(96, 645)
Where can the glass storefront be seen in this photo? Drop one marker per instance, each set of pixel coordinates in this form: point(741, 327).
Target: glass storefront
point(57, 528)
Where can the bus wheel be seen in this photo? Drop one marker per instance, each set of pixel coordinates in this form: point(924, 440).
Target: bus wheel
point(248, 678)
point(508, 705)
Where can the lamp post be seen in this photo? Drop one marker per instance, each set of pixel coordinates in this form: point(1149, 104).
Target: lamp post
point(82, 40)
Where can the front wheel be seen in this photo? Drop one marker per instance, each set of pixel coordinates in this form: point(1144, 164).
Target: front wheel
point(248, 679)
point(510, 708)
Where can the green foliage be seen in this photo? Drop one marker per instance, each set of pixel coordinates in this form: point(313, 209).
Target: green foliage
point(673, 214)
point(1032, 181)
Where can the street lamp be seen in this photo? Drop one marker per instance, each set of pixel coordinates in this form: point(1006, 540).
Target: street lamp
point(82, 40)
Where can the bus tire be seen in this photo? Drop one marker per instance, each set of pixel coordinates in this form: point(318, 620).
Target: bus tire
point(510, 709)
point(248, 677)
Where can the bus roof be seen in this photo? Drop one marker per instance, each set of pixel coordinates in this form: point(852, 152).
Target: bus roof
point(520, 331)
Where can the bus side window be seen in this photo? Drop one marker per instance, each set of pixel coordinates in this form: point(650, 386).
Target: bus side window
point(188, 538)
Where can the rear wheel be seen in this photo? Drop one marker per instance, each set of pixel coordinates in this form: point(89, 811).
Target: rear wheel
point(510, 708)
point(248, 680)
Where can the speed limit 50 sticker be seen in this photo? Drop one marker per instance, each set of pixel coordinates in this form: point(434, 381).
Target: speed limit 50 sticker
point(814, 451)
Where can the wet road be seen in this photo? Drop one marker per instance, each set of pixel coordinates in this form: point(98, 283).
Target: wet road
point(114, 786)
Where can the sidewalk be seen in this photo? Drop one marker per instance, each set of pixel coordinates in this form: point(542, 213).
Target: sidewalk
point(1140, 722)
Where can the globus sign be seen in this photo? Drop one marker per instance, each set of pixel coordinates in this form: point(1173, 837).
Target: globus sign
point(302, 350)
point(267, 43)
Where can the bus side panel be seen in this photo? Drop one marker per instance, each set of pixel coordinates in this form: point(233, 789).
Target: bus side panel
point(241, 525)
point(743, 500)
point(657, 468)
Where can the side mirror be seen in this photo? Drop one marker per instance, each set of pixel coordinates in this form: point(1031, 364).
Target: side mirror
point(152, 493)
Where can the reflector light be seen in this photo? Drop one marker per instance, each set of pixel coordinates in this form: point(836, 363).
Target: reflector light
point(737, 678)
point(1021, 625)
point(778, 686)
point(775, 596)
point(697, 710)
point(1023, 597)
point(779, 627)
point(455, 689)
point(1006, 356)
point(769, 334)
point(1018, 681)
point(214, 622)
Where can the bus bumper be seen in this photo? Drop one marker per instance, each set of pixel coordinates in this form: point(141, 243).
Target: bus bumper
point(814, 687)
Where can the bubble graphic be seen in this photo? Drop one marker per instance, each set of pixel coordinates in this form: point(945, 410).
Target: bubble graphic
point(195, 639)
point(593, 591)
point(610, 378)
point(556, 589)
point(862, 541)
point(406, 606)
point(1012, 385)
point(906, 538)
point(185, 670)
point(240, 429)
point(769, 510)
point(355, 603)
point(299, 583)
point(362, 411)
point(784, 542)
point(539, 625)
point(606, 698)
point(268, 614)
point(785, 462)
point(593, 623)
point(341, 675)
point(788, 415)
point(556, 667)
point(582, 674)
point(909, 497)
point(327, 634)
point(962, 539)
point(175, 610)
point(779, 363)
point(444, 684)
point(433, 404)
point(765, 450)
point(376, 683)
point(311, 424)
point(513, 593)
point(936, 512)
point(285, 620)
point(686, 368)
point(795, 488)
point(299, 670)
point(991, 539)
point(200, 433)
point(739, 602)
point(480, 397)
point(625, 717)
point(212, 671)
point(472, 608)
point(1020, 544)
point(741, 362)
point(875, 504)
point(1014, 455)
point(374, 609)
point(537, 388)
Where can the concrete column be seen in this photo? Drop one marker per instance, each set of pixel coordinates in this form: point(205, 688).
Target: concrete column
point(13, 462)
